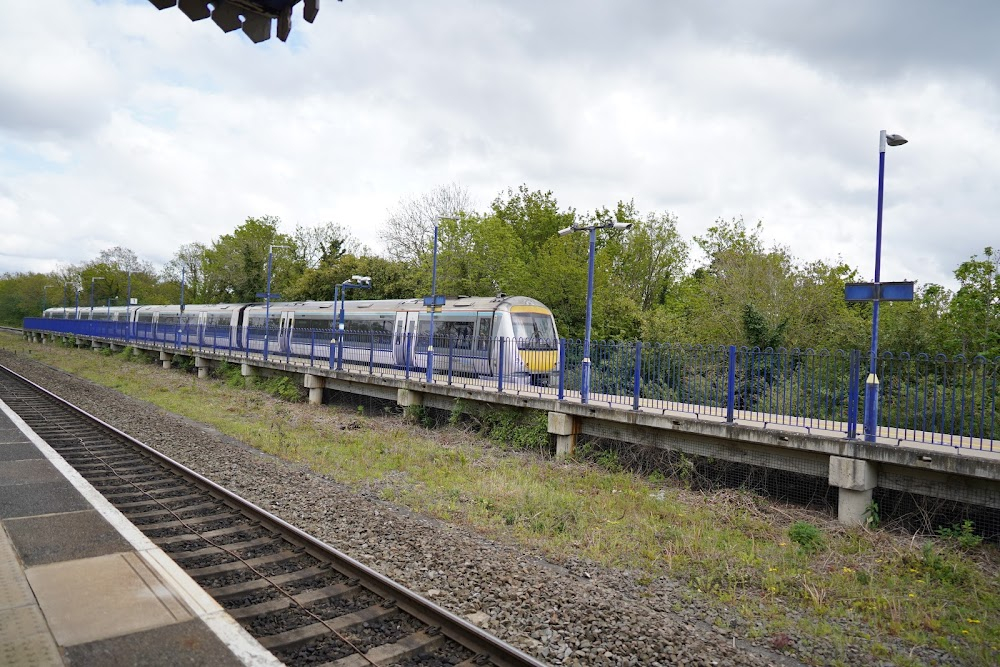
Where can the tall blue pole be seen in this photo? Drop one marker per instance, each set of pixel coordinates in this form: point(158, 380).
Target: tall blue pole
point(92, 297)
point(128, 307)
point(872, 383)
point(267, 306)
point(585, 385)
point(77, 303)
point(341, 329)
point(65, 285)
point(430, 343)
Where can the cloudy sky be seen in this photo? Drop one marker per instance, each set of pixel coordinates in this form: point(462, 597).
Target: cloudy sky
point(121, 125)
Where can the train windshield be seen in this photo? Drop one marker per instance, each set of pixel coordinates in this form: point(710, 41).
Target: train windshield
point(534, 331)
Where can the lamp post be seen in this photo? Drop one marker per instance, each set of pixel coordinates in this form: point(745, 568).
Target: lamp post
point(65, 285)
point(592, 229)
point(434, 301)
point(267, 296)
point(872, 383)
point(92, 280)
point(45, 303)
point(78, 288)
point(360, 282)
point(128, 307)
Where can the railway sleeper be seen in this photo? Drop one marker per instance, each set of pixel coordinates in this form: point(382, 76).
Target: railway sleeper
point(235, 565)
point(163, 511)
point(224, 592)
point(290, 639)
point(194, 521)
point(142, 503)
point(236, 546)
point(303, 599)
point(407, 647)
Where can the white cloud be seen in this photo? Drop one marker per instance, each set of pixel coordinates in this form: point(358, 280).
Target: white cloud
point(126, 126)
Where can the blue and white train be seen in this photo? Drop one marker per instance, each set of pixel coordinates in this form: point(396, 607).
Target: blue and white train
point(469, 332)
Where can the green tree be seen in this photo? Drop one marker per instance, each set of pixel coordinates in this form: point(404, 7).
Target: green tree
point(975, 309)
point(235, 266)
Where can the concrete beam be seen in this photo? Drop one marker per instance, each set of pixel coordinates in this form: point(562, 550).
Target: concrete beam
point(166, 358)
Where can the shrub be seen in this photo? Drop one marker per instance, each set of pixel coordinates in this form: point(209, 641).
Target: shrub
point(807, 536)
point(963, 535)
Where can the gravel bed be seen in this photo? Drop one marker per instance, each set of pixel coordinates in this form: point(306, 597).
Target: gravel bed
point(568, 613)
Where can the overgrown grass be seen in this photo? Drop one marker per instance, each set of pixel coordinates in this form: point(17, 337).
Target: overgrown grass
point(734, 549)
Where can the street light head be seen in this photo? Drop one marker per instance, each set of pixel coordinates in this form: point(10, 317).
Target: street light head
point(621, 225)
point(564, 232)
point(894, 140)
point(362, 279)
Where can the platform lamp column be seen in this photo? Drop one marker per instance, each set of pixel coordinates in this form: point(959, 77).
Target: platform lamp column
point(78, 288)
point(45, 301)
point(360, 282)
point(592, 229)
point(267, 299)
point(872, 383)
point(94, 278)
point(128, 307)
point(434, 301)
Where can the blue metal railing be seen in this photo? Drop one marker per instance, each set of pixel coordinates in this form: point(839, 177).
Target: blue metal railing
point(923, 398)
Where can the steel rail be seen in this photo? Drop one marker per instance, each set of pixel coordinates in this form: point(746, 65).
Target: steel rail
point(461, 631)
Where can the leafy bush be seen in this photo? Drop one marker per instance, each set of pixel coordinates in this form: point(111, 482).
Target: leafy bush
point(963, 535)
point(807, 536)
point(280, 387)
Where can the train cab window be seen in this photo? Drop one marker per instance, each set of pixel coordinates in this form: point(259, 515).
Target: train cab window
point(534, 330)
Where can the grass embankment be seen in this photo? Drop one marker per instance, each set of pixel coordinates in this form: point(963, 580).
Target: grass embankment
point(790, 573)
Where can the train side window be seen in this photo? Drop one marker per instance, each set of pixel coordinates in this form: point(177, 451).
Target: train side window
point(485, 331)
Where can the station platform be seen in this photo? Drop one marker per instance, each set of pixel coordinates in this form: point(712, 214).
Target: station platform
point(80, 585)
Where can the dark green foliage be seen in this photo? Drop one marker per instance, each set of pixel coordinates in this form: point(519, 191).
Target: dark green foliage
point(807, 536)
point(280, 387)
point(963, 535)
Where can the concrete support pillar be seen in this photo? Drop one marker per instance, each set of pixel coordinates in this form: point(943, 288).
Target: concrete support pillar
point(248, 372)
point(855, 479)
point(166, 358)
point(566, 428)
point(115, 348)
point(315, 385)
point(407, 397)
point(203, 365)
point(95, 345)
point(136, 352)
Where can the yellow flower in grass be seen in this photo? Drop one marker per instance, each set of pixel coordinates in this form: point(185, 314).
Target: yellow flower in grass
point(847, 570)
point(965, 632)
point(911, 595)
point(972, 620)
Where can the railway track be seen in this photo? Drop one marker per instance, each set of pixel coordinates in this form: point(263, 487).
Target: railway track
point(306, 602)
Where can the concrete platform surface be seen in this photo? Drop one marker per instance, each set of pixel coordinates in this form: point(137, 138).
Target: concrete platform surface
point(80, 585)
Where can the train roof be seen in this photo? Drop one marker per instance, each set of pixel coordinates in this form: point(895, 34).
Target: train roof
point(479, 303)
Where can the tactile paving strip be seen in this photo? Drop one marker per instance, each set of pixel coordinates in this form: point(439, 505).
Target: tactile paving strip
point(14, 589)
point(25, 640)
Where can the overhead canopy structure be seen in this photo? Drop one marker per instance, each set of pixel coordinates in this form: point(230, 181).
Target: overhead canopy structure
point(252, 16)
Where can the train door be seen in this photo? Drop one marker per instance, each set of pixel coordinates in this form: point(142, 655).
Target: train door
point(285, 332)
point(406, 329)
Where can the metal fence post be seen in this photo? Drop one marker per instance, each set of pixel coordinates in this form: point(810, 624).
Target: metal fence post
point(562, 369)
point(371, 355)
point(451, 357)
point(852, 395)
point(731, 387)
point(500, 367)
point(637, 383)
point(312, 346)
